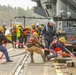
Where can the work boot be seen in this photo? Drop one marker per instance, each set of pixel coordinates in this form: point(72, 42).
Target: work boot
point(22, 47)
point(46, 53)
point(43, 57)
point(32, 61)
point(15, 46)
point(9, 60)
point(19, 46)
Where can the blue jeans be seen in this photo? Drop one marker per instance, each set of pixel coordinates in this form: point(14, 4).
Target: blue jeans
point(2, 49)
point(47, 43)
point(51, 56)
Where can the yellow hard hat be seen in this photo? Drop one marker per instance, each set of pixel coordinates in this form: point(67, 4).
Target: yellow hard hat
point(36, 34)
point(60, 31)
point(33, 25)
point(25, 26)
point(40, 27)
point(1, 29)
point(20, 25)
point(14, 25)
point(28, 27)
point(62, 39)
point(64, 52)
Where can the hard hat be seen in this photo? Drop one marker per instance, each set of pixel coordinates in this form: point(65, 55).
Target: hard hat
point(37, 24)
point(62, 39)
point(4, 23)
point(52, 21)
point(20, 25)
point(28, 27)
point(35, 33)
point(14, 25)
point(64, 54)
point(60, 31)
point(33, 25)
point(25, 26)
point(1, 29)
point(40, 27)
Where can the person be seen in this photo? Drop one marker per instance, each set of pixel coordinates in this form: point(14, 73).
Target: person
point(2, 48)
point(33, 46)
point(26, 32)
point(4, 26)
point(48, 32)
point(20, 35)
point(33, 28)
point(13, 34)
point(58, 45)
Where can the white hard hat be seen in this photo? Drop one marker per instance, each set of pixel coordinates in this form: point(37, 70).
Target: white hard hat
point(37, 24)
point(4, 23)
point(52, 21)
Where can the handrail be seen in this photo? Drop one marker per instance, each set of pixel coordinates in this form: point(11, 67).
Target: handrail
point(64, 1)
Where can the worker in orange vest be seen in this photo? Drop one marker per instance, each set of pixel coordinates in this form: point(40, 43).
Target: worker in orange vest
point(58, 45)
point(33, 47)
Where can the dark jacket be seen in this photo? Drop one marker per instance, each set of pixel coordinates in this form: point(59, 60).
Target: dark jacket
point(48, 33)
point(3, 37)
point(60, 45)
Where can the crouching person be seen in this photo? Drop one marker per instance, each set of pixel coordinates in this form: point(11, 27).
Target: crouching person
point(58, 45)
point(33, 46)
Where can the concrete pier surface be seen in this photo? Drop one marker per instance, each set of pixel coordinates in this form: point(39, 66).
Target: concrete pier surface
point(22, 65)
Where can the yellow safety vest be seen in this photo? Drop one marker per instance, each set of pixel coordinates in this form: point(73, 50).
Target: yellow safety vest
point(18, 32)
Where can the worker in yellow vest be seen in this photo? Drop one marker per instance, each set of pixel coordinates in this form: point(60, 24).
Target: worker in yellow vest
point(20, 36)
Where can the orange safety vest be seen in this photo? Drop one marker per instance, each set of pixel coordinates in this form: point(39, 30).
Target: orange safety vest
point(32, 31)
point(26, 32)
point(55, 48)
point(32, 40)
point(16, 29)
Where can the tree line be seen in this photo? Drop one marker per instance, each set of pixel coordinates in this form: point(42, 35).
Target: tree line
point(7, 13)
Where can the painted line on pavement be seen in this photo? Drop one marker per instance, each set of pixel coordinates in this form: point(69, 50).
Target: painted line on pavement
point(10, 49)
point(46, 69)
point(59, 72)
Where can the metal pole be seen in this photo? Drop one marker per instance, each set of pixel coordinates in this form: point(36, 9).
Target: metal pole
point(24, 21)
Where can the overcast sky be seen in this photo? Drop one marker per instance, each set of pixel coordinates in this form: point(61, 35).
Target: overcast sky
point(18, 3)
